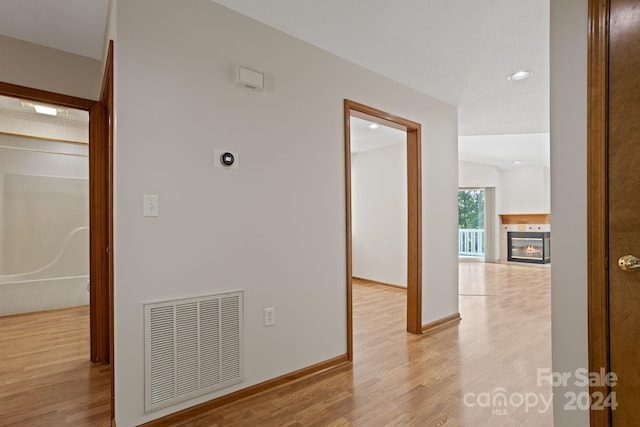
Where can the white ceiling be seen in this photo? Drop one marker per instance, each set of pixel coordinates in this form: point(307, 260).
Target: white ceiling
point(503, 150)
point(76, 26)
point(364, 138)
point(459, 51)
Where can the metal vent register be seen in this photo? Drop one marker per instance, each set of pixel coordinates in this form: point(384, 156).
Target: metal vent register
point(192, 347)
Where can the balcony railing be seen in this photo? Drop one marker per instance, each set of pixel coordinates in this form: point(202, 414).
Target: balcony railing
point(470, 242)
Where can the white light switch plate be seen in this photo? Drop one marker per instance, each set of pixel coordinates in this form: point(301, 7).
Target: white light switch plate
point(150, 204)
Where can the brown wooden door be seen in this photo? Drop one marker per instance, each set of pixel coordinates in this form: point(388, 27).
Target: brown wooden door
point(624, 206)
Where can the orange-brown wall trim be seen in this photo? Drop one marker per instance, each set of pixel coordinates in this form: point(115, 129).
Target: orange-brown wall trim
point(597, 200)
point(22, 92)
point(99, 297)
point(189, 413)
point(441, 323)
point(414, 210)
point(349, 249)
point(106, 99)
point(526, 218)
point(376, 282)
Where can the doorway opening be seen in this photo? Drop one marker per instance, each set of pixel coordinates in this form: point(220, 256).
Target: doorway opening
point(378, 203)
point(44, 207)
point(471, 223)
point(413, 210)
point(100, 211)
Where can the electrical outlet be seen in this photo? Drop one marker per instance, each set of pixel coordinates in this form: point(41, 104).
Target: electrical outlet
point(269, 317)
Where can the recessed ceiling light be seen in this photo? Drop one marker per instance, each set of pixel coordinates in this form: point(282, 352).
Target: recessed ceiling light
point(374, 126)
point(517, 162)
point(43, 109)
point(520, 75)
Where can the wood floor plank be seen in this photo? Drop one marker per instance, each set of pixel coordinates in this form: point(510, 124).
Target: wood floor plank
point(46, 378)
point(396, 379)
point(400, 379)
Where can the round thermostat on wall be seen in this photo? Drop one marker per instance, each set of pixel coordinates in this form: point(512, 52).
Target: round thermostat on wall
point(227, 159)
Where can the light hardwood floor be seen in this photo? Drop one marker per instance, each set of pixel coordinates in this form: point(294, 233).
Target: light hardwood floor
point(46, 378)
point(399, 379)
point(396, 379)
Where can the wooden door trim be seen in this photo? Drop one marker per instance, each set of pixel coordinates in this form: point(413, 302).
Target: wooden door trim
point(106, 100)
point(23, 92)
point(597, 199)
point(414, 199)
point(98, 125)
point(99, 296)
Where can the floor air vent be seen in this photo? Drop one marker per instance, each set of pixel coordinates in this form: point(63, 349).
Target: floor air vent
point(192, 347)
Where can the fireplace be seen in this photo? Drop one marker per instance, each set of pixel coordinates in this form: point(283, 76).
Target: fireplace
point(531, 247)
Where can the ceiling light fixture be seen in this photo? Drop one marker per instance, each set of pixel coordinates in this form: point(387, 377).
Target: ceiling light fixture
point(520, 75)
point(374, 126)
point(517, 162)
point(43, 109)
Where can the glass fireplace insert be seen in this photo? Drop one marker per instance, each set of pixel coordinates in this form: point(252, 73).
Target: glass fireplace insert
point(531, 247)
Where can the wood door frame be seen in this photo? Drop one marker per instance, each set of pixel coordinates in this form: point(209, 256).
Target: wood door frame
point(414, 213)
point(597, 199)
point(99, 332)
point(101, 207)
point(107, 102)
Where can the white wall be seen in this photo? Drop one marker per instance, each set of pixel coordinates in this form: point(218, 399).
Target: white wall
point(38, 163)
point(379, 214)
point(109, 33)
point(569, 198)
point(40, 212)
point(12, 122)
point(491, 225)
point(503, 150)
point(27, 202)
point(25, 64)
point(524, 190)
point(547, 189)
point(476, 175)
point(275, 227)
point(43, 198)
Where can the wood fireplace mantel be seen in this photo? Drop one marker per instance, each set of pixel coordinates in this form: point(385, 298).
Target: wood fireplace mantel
point(539, 218)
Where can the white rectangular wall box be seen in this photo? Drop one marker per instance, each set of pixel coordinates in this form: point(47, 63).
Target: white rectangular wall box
point(192, 347)
point(250, 79)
